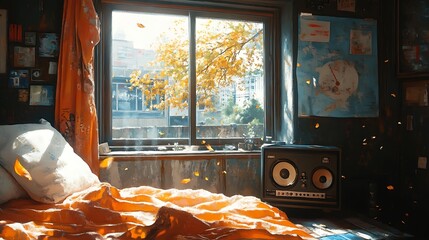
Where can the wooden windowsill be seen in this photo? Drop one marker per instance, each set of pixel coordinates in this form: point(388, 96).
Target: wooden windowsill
point(181, 155)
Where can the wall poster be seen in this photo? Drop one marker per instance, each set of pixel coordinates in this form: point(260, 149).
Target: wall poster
point(337, 73)
point(3, 40)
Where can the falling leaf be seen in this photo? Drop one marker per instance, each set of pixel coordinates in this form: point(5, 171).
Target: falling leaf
point(298, 65)
point(196, 174)
point(21, 171)
point(393, 95)
point(209, 148)
point(308, 81)
point(390, 188)
point(317, 125)
point(140, 25)
point(206, 178)
point(105, 163)
point(203, 142)
point(185, 180)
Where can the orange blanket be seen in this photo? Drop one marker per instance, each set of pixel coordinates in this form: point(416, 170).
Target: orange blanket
point(105, 212)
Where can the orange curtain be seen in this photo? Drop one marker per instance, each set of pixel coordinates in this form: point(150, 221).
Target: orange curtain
point(75, 113)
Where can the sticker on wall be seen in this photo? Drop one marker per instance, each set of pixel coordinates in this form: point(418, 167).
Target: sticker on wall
point(338, 77)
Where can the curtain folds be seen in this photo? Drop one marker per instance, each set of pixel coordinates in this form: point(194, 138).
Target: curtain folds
point(75, 112)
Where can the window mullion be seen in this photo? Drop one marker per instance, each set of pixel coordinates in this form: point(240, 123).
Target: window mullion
point(192, 81)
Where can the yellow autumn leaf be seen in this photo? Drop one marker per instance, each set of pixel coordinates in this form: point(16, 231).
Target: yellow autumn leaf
point(209, 148)
point(196, 174)
point(140, 25)
point(105, 163)
point(185, 180)
point(21, 171)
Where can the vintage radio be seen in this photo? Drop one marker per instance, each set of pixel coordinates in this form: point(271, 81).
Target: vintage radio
point(301, 176)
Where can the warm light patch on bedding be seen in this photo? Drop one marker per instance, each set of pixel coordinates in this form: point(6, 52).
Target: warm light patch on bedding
point(103, 211)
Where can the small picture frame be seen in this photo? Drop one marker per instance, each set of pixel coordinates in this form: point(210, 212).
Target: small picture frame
point(36, 75)
point(19, 79)
point(23, 95)
point(48, 45)
point(30, 38)
point(42, 95)
point(24, 56)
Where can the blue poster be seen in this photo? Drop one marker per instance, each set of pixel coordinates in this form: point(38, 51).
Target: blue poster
point(337, 72)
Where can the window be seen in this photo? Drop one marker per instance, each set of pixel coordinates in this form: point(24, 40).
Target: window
point(185, 75)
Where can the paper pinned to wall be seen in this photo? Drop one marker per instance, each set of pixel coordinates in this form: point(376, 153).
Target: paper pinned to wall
point(338, 78)
point(315, 31)
point(346, 5)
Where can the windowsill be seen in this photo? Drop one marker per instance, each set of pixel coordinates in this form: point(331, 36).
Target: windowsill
point(181, 155)
point(179, 152)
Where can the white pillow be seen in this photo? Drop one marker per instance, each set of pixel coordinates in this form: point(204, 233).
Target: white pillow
point(55, 170)
point(9, 188)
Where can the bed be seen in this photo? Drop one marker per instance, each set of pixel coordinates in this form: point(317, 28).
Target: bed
point(48, 192)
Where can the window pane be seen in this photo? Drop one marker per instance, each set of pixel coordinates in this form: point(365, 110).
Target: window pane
point(150, 59)
point(230, 77)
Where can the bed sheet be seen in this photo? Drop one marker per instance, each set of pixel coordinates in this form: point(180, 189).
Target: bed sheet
point(105, 212)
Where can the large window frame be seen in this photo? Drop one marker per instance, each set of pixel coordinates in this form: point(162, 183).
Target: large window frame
point(269, 16)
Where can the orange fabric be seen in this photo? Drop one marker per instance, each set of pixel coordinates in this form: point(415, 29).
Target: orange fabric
point(75, 113)
point(105, 212)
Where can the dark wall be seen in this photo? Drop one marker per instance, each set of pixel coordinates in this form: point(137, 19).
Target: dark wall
point(379, 155)
point(42, 16)
point(369, 145)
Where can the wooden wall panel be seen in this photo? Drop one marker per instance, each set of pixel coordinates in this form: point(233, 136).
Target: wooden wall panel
point(122, 174)
point(243, 177)
point(194, 174)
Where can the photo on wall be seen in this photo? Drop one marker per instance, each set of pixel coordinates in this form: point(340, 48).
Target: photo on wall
point(24, 56)
point(30, 38)
point(42, 95)
point(48, 45)
point(18, 79)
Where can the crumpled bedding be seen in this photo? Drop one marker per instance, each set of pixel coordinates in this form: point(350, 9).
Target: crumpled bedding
point(105, 212)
